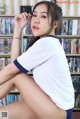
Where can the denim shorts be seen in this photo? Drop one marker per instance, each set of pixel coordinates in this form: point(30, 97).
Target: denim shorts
point(69, 113)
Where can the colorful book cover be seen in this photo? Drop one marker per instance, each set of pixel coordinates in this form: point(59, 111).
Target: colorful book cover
point(2, 63)
point(7, 26)
point(79, 27)
point(74, 46)
point(24, 44)
point(79, 46)
point(64, 27)
point(67, 46)
point(3, 26)
point(70, 22)
point(75, 27)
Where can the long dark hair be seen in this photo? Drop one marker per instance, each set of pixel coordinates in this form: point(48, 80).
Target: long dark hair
point(56, 15)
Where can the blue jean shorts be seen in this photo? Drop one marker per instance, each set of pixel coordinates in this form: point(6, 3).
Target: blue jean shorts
point(69, 113)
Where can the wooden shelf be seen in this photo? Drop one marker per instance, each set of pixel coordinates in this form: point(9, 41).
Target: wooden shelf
point(75, 73)
point(6, 35)
point(27, 35)
point(71, 17)
point(66, 17)
point(14, 92)
point(5, 55)
point(68, 36)
point(4, 15)
point(76, 109)
point(73, 55)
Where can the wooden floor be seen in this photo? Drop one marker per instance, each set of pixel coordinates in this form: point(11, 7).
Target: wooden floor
point(76, 115)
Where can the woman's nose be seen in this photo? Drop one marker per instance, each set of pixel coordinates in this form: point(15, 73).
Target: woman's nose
point(37, 20)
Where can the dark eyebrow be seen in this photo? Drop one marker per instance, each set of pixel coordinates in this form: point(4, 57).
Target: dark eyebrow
point(44, 12)
point(41, 12)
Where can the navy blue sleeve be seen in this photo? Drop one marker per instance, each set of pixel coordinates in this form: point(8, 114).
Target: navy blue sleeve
point(22, 69)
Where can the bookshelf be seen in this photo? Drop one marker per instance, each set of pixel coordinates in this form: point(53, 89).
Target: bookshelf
point(72, 56)
point(70, 37)
point(6, 31)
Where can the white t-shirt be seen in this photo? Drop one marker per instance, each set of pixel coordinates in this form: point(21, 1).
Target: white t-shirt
point(47, 59)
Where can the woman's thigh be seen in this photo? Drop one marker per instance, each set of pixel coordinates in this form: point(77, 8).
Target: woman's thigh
point(37, 100)
point(18, 110)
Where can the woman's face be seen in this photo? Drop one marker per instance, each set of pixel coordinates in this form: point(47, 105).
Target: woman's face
point(40, 21)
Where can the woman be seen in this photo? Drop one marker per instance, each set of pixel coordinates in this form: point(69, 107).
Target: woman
point(49, 94)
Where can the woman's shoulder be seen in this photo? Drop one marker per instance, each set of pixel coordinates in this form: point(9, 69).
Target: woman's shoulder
point(46, 42)
point(47, 39)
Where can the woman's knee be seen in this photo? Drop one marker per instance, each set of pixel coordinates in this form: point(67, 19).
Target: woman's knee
point(16, 78)
point(20, 77)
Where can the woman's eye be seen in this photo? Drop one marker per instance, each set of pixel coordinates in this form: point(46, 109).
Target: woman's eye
point(43, 16)
point(34, 15)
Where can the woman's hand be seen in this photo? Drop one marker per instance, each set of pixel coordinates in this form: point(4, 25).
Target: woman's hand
point(21, 20)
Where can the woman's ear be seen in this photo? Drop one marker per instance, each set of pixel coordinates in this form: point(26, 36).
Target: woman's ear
point(55, 24)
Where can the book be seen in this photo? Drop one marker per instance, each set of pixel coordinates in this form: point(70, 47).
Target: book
point(75, 27)
point(64, 30)
point(74, 46)
point(8, 61)
point(1, 46)
point(6, 25)
point(76, 82)
point(11, 25)
point(3, 27)
point(5, 45)
point(79, 27)
point(24, 8)
point(24, 44)
point(70, 22)
point(79, 46)
point(2, 63)
point(67, 45)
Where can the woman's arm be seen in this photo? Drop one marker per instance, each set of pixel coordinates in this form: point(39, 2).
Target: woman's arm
point(15, 50)
point(19, 23)
point(8, 72)
point(11, 70)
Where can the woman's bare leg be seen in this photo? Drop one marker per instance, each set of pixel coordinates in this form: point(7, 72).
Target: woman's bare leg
point(6, 88)
point(18, 110)
point(36, 99)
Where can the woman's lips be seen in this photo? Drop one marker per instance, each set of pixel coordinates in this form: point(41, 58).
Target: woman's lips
point(35, 28)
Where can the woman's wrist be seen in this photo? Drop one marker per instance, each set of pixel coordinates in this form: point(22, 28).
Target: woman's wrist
point(17, 33)
point(17, 37)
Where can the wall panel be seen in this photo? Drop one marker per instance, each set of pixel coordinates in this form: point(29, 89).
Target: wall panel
point(12, 7)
